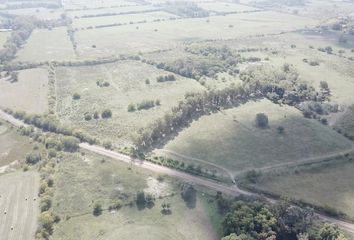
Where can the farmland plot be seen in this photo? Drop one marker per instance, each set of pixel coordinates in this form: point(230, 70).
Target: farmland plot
point(18, 205)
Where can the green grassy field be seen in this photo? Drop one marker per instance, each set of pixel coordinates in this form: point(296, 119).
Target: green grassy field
point(81, 181)
point(115, 10)
point(163, 35)
point(47, 45)
point(29, 93)
point(230, 138)
point(122, 19)
point(13, 147)
point(20, 220)
point(329, 185)
point(127, 85)
point(83, 4)
point(40, 13)
point(3, 38)
point(225, 7)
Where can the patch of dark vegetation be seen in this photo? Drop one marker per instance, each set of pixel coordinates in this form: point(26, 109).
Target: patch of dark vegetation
point(49, 123)
point(345, 123)
point(144, 105)
point(185, 9)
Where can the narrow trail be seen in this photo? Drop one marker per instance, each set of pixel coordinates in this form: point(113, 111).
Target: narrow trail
point(232, 190)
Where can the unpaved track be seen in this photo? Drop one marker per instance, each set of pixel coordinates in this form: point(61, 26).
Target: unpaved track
point(20, 220)
point(229, 190)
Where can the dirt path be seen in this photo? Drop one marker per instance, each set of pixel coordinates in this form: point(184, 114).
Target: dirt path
point(228, 190)
point(216, 186)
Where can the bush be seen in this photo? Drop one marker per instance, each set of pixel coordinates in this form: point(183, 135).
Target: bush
point(131, 107)
point(76, 96)
point(33, 158)
point(262, 120)
point(140, 199)
point(70, 144)
point(87, 116)
point(107, 113)
point(107, 145)
point(97, 209)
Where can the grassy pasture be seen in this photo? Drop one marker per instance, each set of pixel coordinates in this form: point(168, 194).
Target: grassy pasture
point(47, 45)
point(40, 13)
point(230, 138)
point(325, 186)
point(225, 7)
point(108, 181)
point(123, 19)
point(337, 71)
point(19, 200)
point(13, 147)
point(111, 10)
point(84, 4)
point(127, 85)
point(164, 35)
point(29, 93)
point(3, 38)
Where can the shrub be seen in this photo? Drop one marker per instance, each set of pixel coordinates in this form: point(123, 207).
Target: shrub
point(131, 107)
point(33, 158)
point(107, 145)
point(76, 96)
point(262, 120)
point(70, 144)
point(107, 113)
point(96, 115)
point(87, 116)
point(97, 209)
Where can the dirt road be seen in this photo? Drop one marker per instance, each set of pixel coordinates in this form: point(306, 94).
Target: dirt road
point(229, 190)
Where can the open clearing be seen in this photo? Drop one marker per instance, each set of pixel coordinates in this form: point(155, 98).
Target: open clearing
point(29, 93)
point(3, 38)
point(77, 191)
point(13, 147)
point(230, 138)
point(167, 34)
point(40, 13)
point(329, 185)
point(127, 85)
point(112, 10)
point(47, 45)
point(122, 19)
point(18, 198)
point(84, 4)
point(225, 7)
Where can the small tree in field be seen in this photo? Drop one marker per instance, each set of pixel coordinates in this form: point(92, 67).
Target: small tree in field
point(262, 120)
point(107, 113)
point(97, 209)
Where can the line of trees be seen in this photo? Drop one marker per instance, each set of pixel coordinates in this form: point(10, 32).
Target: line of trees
point(50, 123)
point(280, 87)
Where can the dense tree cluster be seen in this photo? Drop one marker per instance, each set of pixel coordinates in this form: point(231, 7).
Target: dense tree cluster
point(50, 123)
point(167, 78)
point(185, 9)
point(250, 220)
